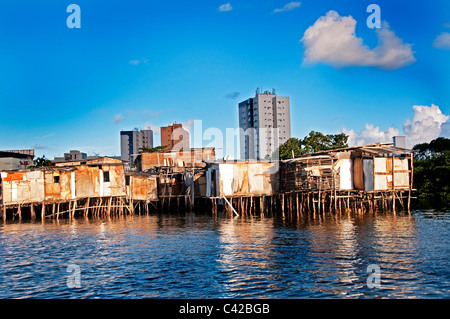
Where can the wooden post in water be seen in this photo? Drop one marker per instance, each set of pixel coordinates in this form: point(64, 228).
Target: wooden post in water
point(393, 182)
point(33, 215)
point(313, 205)
point(68, 211)
point(86, 207)
point(74, 207)
point(261, 206)
point(43, 211)
point(19, 212)
point(109, 206)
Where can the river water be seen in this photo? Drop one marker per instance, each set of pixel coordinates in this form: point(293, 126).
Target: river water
point(199, 256)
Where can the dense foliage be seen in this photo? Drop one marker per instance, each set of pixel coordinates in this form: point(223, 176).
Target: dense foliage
point(313, 142)
point(42, 161)
point(432, 173)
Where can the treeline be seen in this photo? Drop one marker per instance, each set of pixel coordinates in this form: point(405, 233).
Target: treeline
point(432, 173)
point(313, 142)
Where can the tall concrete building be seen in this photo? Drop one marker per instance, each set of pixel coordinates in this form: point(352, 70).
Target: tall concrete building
point(174, 136)
point(265, 124)
point(132, 141)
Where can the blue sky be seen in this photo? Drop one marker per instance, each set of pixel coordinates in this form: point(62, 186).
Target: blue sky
point(150, 63)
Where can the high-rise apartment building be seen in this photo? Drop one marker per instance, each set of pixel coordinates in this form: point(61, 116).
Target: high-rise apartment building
point(132, 141)
point(174, 136)
point(265, 124)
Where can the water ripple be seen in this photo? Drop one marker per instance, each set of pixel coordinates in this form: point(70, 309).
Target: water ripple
point(197, 256)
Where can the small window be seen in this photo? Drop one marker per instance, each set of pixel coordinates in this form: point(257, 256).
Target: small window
point(56, 179)
point(127, 180)
point(106, 176)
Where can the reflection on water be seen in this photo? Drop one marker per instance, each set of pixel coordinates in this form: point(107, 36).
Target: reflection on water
point(198, 256)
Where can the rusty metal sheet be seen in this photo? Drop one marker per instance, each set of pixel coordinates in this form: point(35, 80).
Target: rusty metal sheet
point(14, 177)
point(65, 185)
point(143, 188)
point(247, 179)
point(87, 182)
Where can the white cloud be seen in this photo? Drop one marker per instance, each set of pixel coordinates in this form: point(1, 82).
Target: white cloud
point(40, 147)
point(371, 134)
point(154, 128)
point(225, 7)
point(139, 61)
point(118, 118)
point(288, 6)
point(427, 124)
point(442, 41)
point(332, 40)
point(188, 125)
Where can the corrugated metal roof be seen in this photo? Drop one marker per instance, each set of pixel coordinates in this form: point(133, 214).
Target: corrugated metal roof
point(378, 148)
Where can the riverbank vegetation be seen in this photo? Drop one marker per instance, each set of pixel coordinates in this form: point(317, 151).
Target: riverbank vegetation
point(432, 173)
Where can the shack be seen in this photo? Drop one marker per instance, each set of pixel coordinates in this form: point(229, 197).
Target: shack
point(141, 186)
point(192, 157)
point(36, 185)
point(372, 167)
point(242, 179)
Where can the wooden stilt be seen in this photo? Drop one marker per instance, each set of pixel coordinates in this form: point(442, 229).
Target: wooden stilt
point(109, 206)
point(318, 206)
point(73, 208)
point(33, 215)
point(261, 206)
point(86, 207)
point(43, 211)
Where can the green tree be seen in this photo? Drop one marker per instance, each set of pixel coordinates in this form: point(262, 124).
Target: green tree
point(437, 146)
point(42, 161)
point(339, 140)
point(432, 173)
point(313, 142)
point(317, 141)
point(291, 145)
